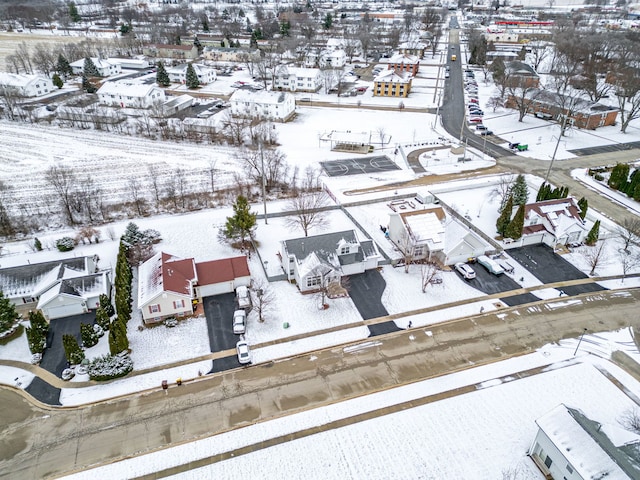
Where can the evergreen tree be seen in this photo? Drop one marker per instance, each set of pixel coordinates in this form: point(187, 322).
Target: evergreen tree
point(88, 335)
point(243, 222)
point(515, 227)
point(584, 206)
point(37, 244)
point(520, 191)
point(63, 67)
point(633, 184)
point(125, 29)
point(505, 217)
point(87, 86)
point(72, 350)
point(328, 21)
point(89, 69)
point(8, 314)
point(192, 77)
point(543, 192)
point(205, 23)
point(36, 340)
point(594, 233)
point(162, 78)
point(285, 28)
point(497, 69)
point(619, 176)
point(38, 322)
point(197, 44)
point(113, 342)
point(102, 318)
point(73, 13)
point(57, 81)
point(118, 341)
point(522, 54)
point(105, 304)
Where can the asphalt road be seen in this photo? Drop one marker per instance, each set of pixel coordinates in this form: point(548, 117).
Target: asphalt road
point(38, 443)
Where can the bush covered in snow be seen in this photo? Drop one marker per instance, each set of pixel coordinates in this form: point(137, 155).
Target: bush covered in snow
point(110, 366)
point(65, 244)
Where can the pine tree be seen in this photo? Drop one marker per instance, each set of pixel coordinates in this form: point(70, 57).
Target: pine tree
point(522, 54)
point(515, 227)
point(89, 69)
point(87, 86)
point(88, 335)
point(162, 78)
point(63, 67)
point(73, 13)
point(520, 191)
point(102, 318)
point(57, 81)
point(242, 224)
point(619, 176)
point(72, 350)
point(505, 217)
point(113, 342)
point(37, 321)
point(36, 340)
point(105, 304)
point(197, 44)
point(192, 78)
point(285, 28)
point(8, 314)
point(584, 206)
point(37, 244)
point(594, 233)
point(328, 21)
point(543, 192)
point(205, 23)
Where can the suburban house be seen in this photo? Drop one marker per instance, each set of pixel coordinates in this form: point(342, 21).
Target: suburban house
point(75, 295)
point(413, 47)
point(170, 286)
point(569, 445)
point(392, 84)
point(177, 104)
point(297, 79)
point(404, 63)
point(25, 85)
point(105, 67)
point(333, 59)
point(427, 233)
point(24, 285)
point(553, 222)
point(581, 113)
point(278, 106)
point(124, 94)
point(319, 260)
point(205, 74)
point(181, 52)
point(139, 63)
point(520, 74)
point(229, 54)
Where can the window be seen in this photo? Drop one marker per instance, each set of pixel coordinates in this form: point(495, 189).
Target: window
point(569, 469)
point(314, 281)
point(154, 308)
point(418, 250)
point(548, 461)
point(344, 250)
point(178, 303)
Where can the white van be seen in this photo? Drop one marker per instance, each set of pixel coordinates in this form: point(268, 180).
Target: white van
point(491, 265)
point(242, 295)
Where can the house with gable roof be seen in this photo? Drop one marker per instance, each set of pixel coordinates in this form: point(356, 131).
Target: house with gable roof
point(310, 261)
point(178, 74)
point(572, 446)
point(553, 222)
point(403, 62)
point(105, 67)
point(125, 94)
point(294, 79)
point(278, 106)
point(427, 233)
point(74, 296)
point(170, 286)
point(392, 84)
point(25, 85)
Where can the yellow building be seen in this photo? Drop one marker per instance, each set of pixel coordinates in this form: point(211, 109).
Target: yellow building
point(391, 83)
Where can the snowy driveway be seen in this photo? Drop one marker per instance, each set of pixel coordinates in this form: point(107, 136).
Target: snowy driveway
point(365, 289)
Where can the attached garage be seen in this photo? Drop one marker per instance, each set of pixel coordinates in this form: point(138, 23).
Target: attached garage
point(74, 296)
point(222, 276)
point(66, 310)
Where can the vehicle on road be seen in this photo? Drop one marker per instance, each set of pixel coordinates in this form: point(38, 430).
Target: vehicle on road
point(454, 58)
point(465, 270)
point(491, 265)
point(239, 322)
point(244, 352)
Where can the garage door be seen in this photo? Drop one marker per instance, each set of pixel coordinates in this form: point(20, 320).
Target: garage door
point(215, 289)
point(64, 310)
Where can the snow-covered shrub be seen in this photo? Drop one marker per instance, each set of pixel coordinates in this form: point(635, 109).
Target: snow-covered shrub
point(110, 366)
point(99, 330)
point(68, 374)
point(36, 358)
point(65, 244)
point(171, 322)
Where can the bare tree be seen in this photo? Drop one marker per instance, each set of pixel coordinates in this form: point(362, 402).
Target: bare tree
point(628, 262)
point(137, 196)
point(154, 173)
point(595, 256)
point(211, 170)
point(263, 299)
point(502, 189)
point(629, 232)
point(63, 181)
point(6, 223)
point(630, 419)
point(429, 273)
point(308, 212)
point(181, 186)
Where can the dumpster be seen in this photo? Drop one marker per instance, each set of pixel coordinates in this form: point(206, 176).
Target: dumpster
point(522, 148)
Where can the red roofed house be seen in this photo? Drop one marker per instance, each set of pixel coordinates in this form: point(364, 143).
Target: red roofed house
point(553, 222)
point(170, 286)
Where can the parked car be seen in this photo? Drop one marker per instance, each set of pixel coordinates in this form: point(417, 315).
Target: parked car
point(242, 295)
point(465, 270)
point(475, 120)
point(491, 265)
point(473, 100)
point(486, 133)
point(446, 74)
point(543, 116)
point(244, 352)
point(481, 127)
point(239, 322)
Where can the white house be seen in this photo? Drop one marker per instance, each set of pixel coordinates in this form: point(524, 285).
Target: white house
point(312, 260)
point(571, 446)
point(105, 67)
point(429, 234)
point(333, 59)
point(278, 106)
point(295, 79)
point(170, 286)
point(553, 222)
point(74, 296)
point(25, 85)
point(139, 63)
point(205, 74)
point(125, 94)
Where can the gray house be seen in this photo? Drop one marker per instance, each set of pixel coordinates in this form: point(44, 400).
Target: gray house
point(316, 261)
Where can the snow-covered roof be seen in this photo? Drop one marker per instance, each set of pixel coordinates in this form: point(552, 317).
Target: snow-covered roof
point(164, 273)
point(19, 81)
point(587, 446)
point(98, 62)
point(392, 76)
point(425, 226)
point(457, 234)
point(181, 100)
point(261, 97)
point(324, 247)
point(404, 58)
point(561, 214)
point(198, 68)
point(126, 89)
point(298, 72)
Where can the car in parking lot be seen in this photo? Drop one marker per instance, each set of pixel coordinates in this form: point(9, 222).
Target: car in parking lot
point(244, 352)
point(476, 112)
point(465, 270)
point(473, 100)
point(543, 116)
point(239, 322)
point(481, 127)
point(486, 133)
point(475, 119)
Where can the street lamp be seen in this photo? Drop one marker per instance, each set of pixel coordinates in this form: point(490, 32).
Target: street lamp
point(579, 341)
point(264, 195)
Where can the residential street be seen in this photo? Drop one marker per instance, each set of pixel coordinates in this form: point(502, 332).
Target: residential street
point(38, 443)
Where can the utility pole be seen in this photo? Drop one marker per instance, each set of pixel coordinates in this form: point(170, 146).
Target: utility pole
point(264, 187)
point(555, 150)
point(579, 342)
